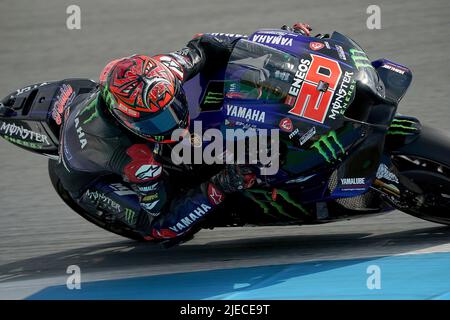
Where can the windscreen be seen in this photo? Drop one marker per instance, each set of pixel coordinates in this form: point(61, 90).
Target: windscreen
point(257, 72)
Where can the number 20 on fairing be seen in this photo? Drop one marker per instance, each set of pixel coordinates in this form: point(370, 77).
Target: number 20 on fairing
point(311, 103)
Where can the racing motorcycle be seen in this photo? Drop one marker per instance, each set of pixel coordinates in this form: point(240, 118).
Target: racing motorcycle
point(344, 150)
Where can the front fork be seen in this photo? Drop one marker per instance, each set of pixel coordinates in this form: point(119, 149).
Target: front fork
point(398, 190)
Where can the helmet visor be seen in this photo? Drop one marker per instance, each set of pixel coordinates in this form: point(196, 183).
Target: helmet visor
point(170, 118)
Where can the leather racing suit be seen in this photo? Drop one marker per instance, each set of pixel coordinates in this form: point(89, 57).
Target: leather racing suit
point(93, 146)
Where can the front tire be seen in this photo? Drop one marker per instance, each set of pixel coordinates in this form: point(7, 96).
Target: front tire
point(425, 162)
point(434, 180)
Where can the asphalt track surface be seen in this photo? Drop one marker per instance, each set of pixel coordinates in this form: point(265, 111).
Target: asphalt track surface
point(40, 237)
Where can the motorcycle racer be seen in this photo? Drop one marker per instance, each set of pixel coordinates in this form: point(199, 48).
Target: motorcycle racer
point(121, 129)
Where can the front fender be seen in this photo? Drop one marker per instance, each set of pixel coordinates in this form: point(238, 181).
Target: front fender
point(432, 144)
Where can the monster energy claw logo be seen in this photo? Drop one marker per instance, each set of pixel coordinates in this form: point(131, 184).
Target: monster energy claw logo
point(402, 127)
point(213, 97)
point(107, 96)
point(92, 108)
point(130, 216)
point(253, 193)
point(360, 59)
point(326, 142)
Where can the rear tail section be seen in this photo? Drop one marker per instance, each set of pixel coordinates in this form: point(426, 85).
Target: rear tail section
point(30, 117)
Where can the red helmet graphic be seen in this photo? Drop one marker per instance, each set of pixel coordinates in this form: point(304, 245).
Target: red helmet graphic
point(144, 96)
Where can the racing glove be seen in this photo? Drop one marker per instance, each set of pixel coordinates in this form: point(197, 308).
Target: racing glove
point(302, 28)
point(234, 178)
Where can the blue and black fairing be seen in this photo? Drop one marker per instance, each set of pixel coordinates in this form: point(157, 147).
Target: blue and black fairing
point(356, 128)
point(252, 94)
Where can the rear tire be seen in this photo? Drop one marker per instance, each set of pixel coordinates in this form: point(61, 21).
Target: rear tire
point(65, 196)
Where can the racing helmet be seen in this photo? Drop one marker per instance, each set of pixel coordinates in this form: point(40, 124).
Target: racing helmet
point(144, 96)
